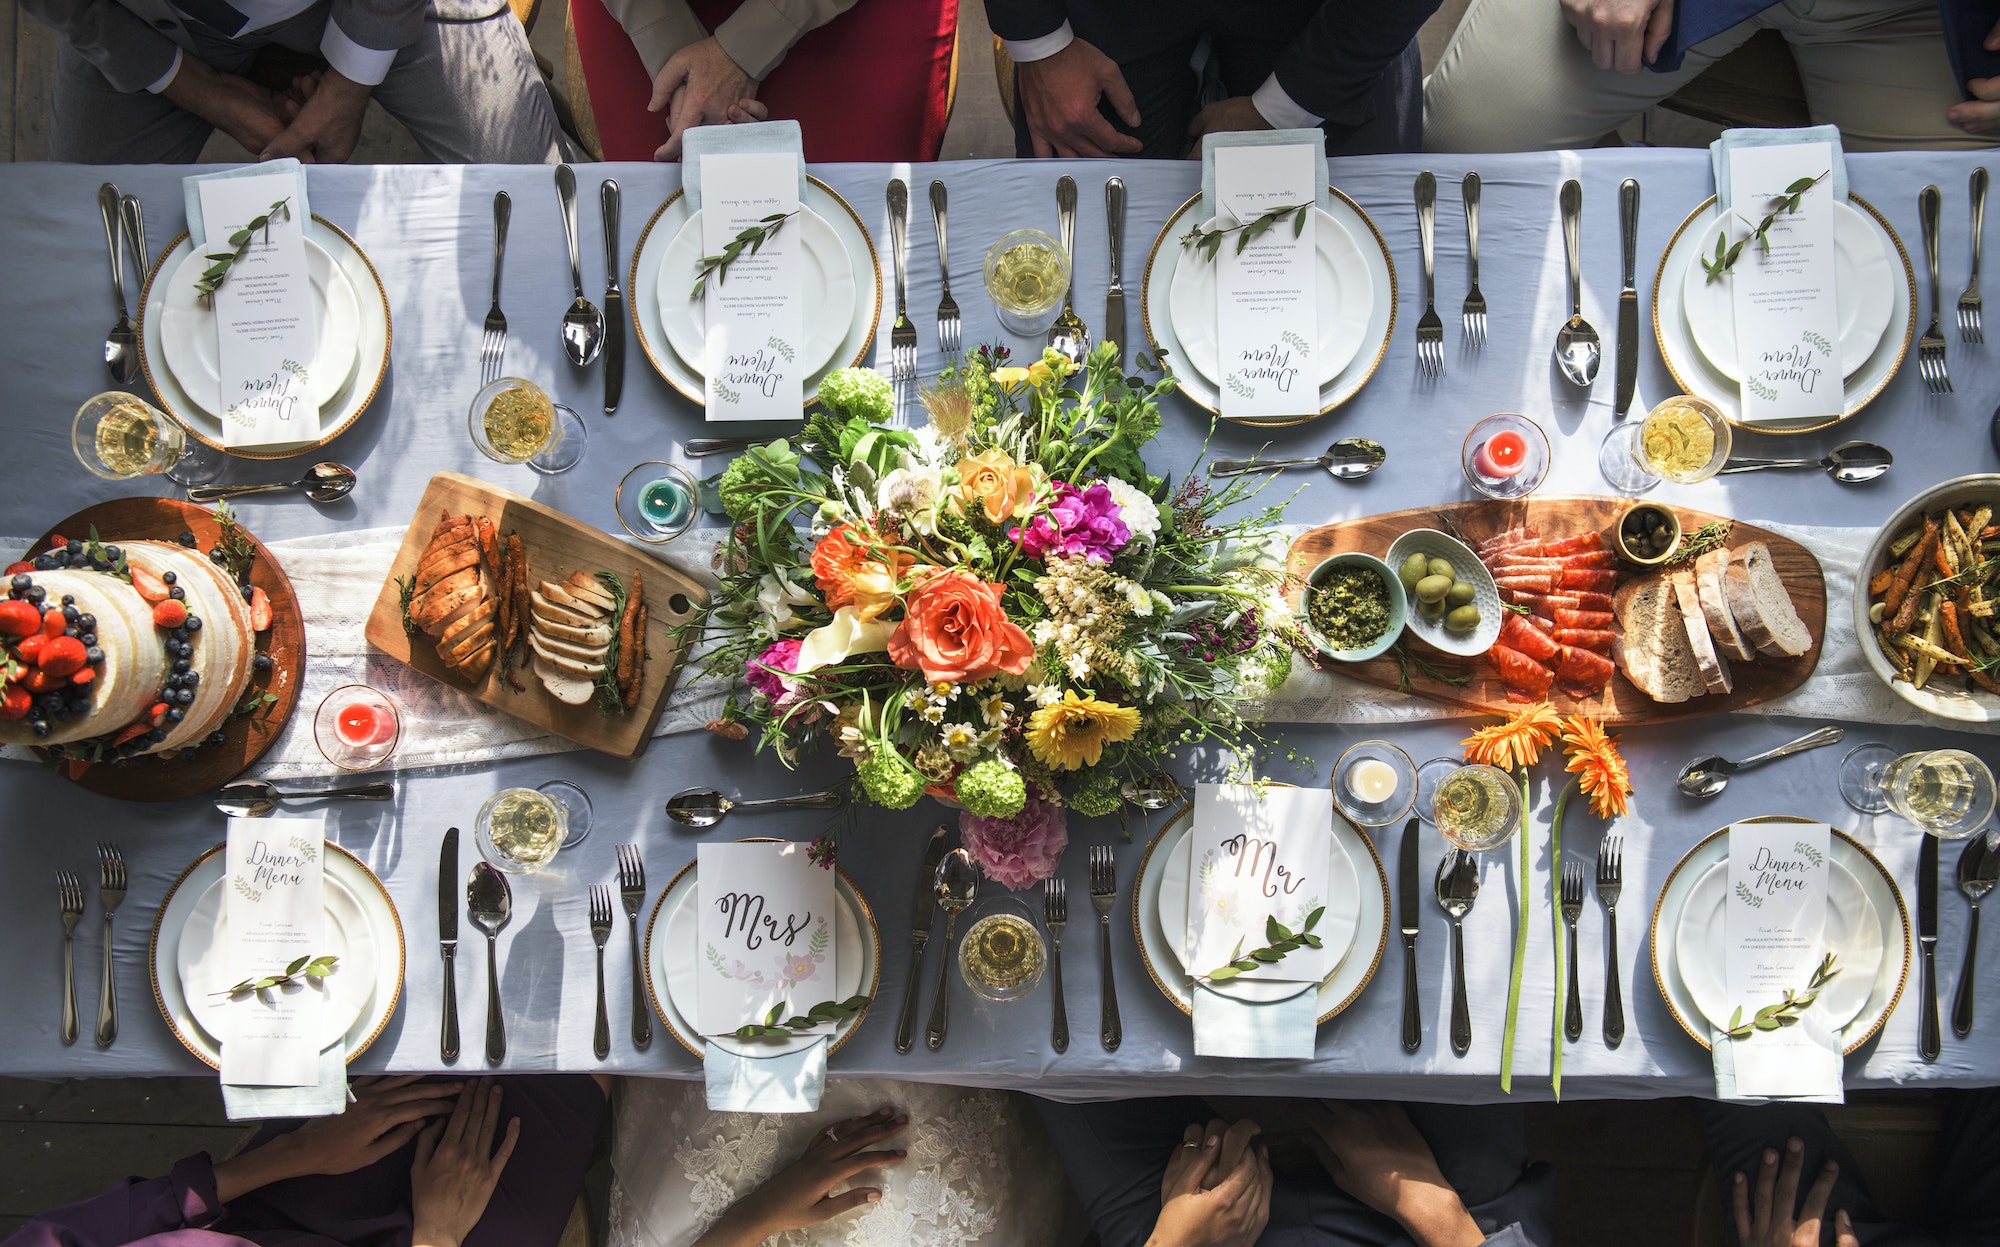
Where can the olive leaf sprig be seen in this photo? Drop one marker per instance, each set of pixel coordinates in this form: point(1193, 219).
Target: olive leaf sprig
point(1726, 252)
point(1210, 240)
point(304, 967)
point(819, 1015)
point(1282, 940)
point(1786, 1012)
point(220, 262)
point(754, 238)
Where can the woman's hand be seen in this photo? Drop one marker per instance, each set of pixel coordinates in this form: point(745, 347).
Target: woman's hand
point(699, 85)
point(797, 1196)
point(457, 1167)
point(387, 1113)
point(1374, 1153)
point(1766, 1218)
point(1233, 1211)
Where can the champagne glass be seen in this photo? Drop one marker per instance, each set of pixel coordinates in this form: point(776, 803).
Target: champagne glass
point(1683, 439)
point(1430, 774)
point(513, 420)
point(1947, 792)
point(520, 830)
point(119, 436)
point(1477, 808)
point(1027, 272)
point(1002, 955)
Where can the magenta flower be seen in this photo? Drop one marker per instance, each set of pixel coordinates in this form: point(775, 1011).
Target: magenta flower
point(1021, 851)
point(764, 676)
point(1078, 522)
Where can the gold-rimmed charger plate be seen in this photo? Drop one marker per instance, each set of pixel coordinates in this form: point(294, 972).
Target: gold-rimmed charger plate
point(376, 337)
point(1695, 375)
point(179, 902)
point(643, 285)
point(1878, 883)
point(1154, 293)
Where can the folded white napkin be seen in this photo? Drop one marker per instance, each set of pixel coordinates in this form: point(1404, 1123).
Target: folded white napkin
point(1261, 138)
point(191, 193)
point(1747, 1074)
point(1282, 1030)
point(1718, 155)
point(774, 1084)
point(323, 1099)
point(756, 136)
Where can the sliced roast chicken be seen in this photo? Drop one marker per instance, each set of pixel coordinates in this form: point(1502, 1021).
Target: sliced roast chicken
point(457, 595)
point(570, 630)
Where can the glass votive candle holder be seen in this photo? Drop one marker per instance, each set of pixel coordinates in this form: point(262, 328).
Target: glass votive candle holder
point(656, 501)
point(1374, 783)
point(357, 727)
point(1506, 456)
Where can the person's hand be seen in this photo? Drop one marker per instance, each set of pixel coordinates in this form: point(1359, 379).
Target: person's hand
point(1621, 34)
point(1374, 1153)
point(699, 85)
point(1231, 1212)
point(797, 1196)
point(327, 125)
point(1059, 97)
point(457, 1167)
point(1235, 113)
point(1765, 1215)
point(246, 112)
point(387, 1113)
point(1981, 113)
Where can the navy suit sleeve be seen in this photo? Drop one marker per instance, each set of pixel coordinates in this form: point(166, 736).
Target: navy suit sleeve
point(1025, 19)
point(1331, 70)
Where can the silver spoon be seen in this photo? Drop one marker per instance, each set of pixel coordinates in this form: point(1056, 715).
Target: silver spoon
point(1348, 459)
point(1850, 463)
point(1069, 335)
point(702, 447)
point(1577, 347)
point(957, 884)
point(489, 901)
point(254, 798)
point(583, 324)
point(1704, 777)
point(1152, 792)
point(323, 482)
point(1457, 889)
point(705, 807)
point(121, 345)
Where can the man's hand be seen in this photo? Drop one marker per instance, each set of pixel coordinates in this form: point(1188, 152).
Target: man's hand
point(246, 112)
point(1059, 97)
point(1235, 113)
point(703, 86)
point(797, 1197)
point(1766, 1218)
point(328, 124)
point(1621, 34)
point(456, 1168)
point(1233, 1211)
point(1981, 113)
point(1374, 1153)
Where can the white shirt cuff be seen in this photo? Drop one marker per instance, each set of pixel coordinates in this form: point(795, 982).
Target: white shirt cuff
point(367, 66)
point(1280, 109)
point(1043, 48)
point(166, 80)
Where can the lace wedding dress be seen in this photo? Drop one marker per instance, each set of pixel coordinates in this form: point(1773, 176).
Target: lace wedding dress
point(979, 1172)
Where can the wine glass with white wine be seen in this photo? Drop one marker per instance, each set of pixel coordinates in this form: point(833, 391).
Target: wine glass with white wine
point(521, 829)
point(1477, 808)
point(1947, 792)
point(515, 421)
point(119, 436)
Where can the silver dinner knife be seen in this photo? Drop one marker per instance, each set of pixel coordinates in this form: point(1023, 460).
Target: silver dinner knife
point(1628, 296)
point(1114, 294)
point(1930, 1041)
point(920, 934)
point(448, 941)
point(614, 301)
point(1406, 909)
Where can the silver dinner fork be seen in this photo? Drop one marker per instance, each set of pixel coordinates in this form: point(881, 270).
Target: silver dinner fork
point(632, 891)
point(1969, 328)
point(69, 896)
point(1572, 909)
point(1610, 881)
point(110, 891)
point(1930, 347)
point(1103, 895)
point(1055, 914)
point(600, 931)
point(948, 323)
point(903, 334)
point(493, 343)
point(1430, 329)
point(1474, 313)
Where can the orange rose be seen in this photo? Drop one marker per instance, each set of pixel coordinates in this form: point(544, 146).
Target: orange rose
point(995, 482)
point(845, 555)
point(953, 629)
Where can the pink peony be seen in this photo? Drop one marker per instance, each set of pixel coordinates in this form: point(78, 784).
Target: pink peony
point(1079, 521)
point(1021, 851)
point(764, 676)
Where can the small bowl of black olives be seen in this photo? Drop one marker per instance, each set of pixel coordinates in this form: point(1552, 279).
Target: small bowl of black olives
point(1647, 534)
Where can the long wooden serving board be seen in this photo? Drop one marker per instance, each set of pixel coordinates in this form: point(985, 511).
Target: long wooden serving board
point(556, 545)
point(1621, 701)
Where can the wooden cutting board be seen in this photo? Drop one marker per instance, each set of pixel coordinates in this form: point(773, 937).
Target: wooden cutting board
point(556, 545)
point(1621, 701)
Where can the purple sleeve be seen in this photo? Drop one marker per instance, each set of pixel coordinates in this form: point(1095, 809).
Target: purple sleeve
point(137, 1208)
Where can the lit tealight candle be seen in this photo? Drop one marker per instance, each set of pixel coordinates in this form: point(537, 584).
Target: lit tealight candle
point(1503, 455)
point(1371, 781)
point(360, 724)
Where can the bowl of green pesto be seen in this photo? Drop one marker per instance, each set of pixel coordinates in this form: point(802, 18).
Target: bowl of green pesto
point(1353, 607)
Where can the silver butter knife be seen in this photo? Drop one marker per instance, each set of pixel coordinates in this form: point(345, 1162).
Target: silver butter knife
point(1407, 883)
point(1628, 296)
point(448, 941)
point(614, 302)
point(1930, 1041)
point(920, 934)
point(1114, 294)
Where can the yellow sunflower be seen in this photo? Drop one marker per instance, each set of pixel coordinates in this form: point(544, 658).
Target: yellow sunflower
point(1598, 766)
point(1517, 742)
point(1072, 733)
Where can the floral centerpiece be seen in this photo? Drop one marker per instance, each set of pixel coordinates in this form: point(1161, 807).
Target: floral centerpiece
point(1005, 608)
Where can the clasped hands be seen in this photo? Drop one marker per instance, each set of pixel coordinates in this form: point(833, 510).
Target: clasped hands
point(317, 119)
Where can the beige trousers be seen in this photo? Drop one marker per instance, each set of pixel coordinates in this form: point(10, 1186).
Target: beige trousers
point(1516, 78)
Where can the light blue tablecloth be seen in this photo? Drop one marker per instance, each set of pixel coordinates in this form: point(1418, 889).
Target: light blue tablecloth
point(427, 229)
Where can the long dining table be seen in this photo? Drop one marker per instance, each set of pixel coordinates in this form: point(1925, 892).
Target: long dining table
point(427, 230)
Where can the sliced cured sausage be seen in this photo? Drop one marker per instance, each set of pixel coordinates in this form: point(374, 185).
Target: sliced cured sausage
point(1517, 633)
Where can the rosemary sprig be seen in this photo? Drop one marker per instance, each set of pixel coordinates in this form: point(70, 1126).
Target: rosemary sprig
point(406, 592)
point(304, 967)
point(754, 238)
point(220, 262)
point(1786, 1012)
point(1726, 253)
point(1210, 240)
point(1407, 658)
point(1282, 940)
point(1709, 536)
point(820, 1014)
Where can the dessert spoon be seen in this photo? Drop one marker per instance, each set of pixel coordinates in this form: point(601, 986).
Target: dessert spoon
point(1705, 777)
point(1577, 347)
point(1348, 459)
point(1850, 463)
point(323, 482)
point(583, 324)
point(705, 807)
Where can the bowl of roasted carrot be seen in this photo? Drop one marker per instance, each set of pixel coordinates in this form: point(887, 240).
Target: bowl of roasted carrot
point(1927, 600)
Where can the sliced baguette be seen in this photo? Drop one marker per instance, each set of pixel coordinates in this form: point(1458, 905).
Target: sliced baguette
point(1654, 652)
point(1762, 605)
point(1710, 571)
point(1714, 666)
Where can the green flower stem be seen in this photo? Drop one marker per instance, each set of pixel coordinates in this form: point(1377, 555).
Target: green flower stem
point(1556, 1001)
point(1520, 953)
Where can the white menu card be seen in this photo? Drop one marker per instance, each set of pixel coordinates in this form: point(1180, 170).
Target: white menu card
point(274, 912)
point(1254, 858)
point(266, 326)
point(754, 319)
point(1774, 924)
point(1787, 323)
point(1267, 315)
point(766, 931)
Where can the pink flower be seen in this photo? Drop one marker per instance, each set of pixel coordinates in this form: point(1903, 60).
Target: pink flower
point(1021, 851)
point(1078, 522)
point(764, 672)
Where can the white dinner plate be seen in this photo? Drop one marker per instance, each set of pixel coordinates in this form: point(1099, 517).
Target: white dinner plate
point(188, 337)
point(1864, 289)
point(1336, 927)
point(672, 959)
point(1345, 297)
point(826, 293)
point(203, 961)
point(1853, 934)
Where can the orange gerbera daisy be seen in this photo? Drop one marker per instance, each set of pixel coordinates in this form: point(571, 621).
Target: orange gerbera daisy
point(1517, 742)
point(1599, 767)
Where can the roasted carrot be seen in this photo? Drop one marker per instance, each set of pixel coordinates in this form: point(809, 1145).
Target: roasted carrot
point(1920, 554)
point(638, 657)
point(1907, 613)
point(1880, 585)
point(1954, 640)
